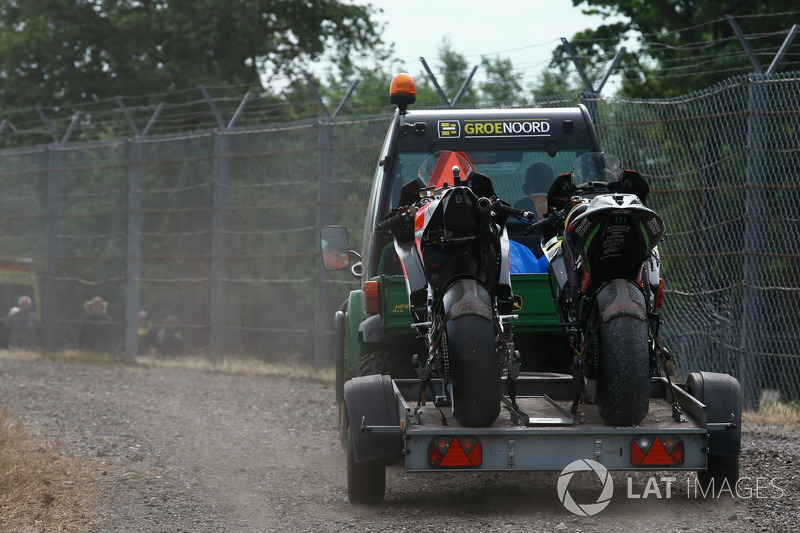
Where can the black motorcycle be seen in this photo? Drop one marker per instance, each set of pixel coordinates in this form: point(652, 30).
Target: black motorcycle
point(604, 272)
point(449, 233)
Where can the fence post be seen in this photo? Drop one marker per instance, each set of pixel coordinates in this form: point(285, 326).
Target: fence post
point(219, 243)
point(134, 248)
point(752, 337)
point(322, 309)
point(591, 94)
point(219, 229)
point(751, 340)
point(133, 264)
point(51, 302)
point(443, 97)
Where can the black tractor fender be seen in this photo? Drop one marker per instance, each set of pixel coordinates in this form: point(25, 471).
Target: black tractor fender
point(370, 403)
point(722, 396)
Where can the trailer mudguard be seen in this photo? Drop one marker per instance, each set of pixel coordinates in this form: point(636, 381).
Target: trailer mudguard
point(621, 297)
point(369, 400)
point(722, 396)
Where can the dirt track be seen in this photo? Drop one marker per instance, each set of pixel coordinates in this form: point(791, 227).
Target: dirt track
point(182, 450)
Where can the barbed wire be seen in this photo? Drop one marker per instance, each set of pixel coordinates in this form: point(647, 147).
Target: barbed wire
point(190, 108)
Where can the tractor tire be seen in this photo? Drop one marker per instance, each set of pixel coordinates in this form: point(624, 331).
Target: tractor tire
point(386, 362)
point(624, 383)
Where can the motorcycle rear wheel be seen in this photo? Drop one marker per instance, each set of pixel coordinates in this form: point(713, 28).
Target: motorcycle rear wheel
point(474, 370)
point(624, 382)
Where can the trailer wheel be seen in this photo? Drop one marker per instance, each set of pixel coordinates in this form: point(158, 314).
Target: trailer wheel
point(624, 382)
point(722, 396)
point(474, 370)
point(720, 469)
point(366, 480)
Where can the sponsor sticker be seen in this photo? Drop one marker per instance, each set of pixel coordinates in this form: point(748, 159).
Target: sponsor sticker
point(449, 128)
point(494, 128)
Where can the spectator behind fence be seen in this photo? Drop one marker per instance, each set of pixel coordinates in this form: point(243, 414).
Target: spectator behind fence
point(94, 329)
point(22, 327)
point(170, 338)
point(148, 335)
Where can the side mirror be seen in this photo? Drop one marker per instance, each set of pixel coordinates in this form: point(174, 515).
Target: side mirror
point(335, 248)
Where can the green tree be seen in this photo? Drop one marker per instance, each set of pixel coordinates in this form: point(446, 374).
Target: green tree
point(502, 85)
point(552, 83)
point(680, 45)
point(71, 51)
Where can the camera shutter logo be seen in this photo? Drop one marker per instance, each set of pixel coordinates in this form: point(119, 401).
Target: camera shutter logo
point(586, 509)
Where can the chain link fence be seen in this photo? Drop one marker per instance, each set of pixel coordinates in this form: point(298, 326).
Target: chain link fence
point(219, 226)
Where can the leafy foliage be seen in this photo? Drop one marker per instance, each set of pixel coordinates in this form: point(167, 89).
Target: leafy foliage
point(81, 50)
point(679, 46)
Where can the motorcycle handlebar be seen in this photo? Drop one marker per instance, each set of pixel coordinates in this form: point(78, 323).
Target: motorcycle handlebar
point(553, 220)
point(396, 221)
point(382, 226)
point(501, 207)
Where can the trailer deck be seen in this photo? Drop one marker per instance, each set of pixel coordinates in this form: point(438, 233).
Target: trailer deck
point(542, 434)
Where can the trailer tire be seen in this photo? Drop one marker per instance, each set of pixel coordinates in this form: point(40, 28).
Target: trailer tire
point(624, 383)
point(474, 370)
point(720, 468)
point(366, 480)
point(722, 396)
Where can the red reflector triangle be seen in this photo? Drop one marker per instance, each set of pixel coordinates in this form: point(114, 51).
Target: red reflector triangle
point(657, 454)
point(637, 455)
point(455, 456)
point(476, 455)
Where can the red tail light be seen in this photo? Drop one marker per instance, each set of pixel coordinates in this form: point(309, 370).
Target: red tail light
point(371, 300)
point(455, 452)
point(664, 450)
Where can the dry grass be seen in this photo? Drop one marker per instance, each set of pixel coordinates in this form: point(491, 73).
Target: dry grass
point(293, 367)
point(41, 488)
point(773, 414)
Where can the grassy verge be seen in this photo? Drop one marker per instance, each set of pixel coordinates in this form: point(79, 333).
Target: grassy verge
point(292, 368)
point(41, 488)
point(773, 415)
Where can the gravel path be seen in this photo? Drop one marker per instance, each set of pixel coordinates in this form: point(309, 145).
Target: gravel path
point(181, 450)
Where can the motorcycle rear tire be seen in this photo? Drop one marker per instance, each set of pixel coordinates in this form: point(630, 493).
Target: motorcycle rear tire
point(474, 370)
point(624, 383)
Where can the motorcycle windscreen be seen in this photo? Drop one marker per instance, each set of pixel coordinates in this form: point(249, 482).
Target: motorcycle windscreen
point(442, 173)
